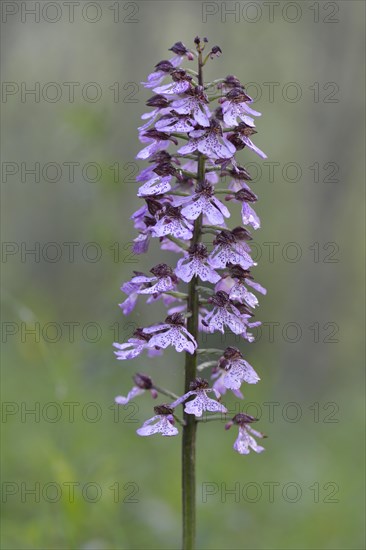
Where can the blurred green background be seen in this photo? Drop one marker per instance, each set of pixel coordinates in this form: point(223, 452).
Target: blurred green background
point(126, 488)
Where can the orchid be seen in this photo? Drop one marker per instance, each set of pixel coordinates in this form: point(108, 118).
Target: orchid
point(142, 383)
point(245, 440)
point(191, 143)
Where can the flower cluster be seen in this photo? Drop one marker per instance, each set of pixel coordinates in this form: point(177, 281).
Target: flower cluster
point(190, 139)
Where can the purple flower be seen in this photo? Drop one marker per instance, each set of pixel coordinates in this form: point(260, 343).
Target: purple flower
point(240, 138)
point(161, 157)
point(234, 284)
point(235, 105)
point(181, 203)
point(159, 141)
point(208, 142)
point(194, 104)
point(219, 387)
point(245, 195)
point(225, 313)
point(195, 264)
point(175, 122)
point(155, 186)
point(181, 83)
point(143, 383)
point(130, 288)
point(141, 243)
point(162, 423)
point(229, 248)
point(172, 333)
point(201, 402)
point(245, 440)
point(237, 369)
point(240, 176)
point(164, 280)
point(162, 70)
point(172, 222)
point(161, 106)
point(135, 345)
point(204, 201)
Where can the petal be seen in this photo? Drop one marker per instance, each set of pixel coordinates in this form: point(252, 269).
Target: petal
point(134, 392)
point(201, 117)
point(194, 209)
point(155, 186)
point(245, 107)
point(184, 270)
point(254, 148)
point(148, 428)
point(256, 286)
point(163, 285)
point(249, 217)
point(189, 148)
point(196, 406)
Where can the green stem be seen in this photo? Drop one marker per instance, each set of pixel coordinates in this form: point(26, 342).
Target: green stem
point(207, 351)
point(225, 191)
point(190, 429)
point(179, 135)
point(214, 82)
point(216, 227)
point(206, 365)
point(165, 392)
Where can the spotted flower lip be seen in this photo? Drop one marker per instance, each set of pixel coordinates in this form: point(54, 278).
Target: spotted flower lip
point(201, 402)
point(175, 122)
point(172, 333)
point(211, 143)
point(237, 370)
point(162, 423)
point(225, 313)
point(237, 291)
point(235, 105)
point(245, 440)
point(245, 276)
point(172, 222)
point(219, 387)
point(164, 280)
point(229, 250)
point(205, 202)
point(160, 141)
point(194, 104)
point(157, 185)
point(135, 346)
point(195, 264)
point(181, 84)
